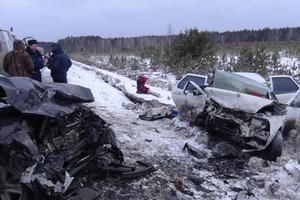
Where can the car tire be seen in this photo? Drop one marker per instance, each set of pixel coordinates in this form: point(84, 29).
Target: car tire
point(274, 149)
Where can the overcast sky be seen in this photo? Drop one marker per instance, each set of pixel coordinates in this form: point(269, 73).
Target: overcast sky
point(54, 19)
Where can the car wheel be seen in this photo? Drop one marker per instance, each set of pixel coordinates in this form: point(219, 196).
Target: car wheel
point(274, 149)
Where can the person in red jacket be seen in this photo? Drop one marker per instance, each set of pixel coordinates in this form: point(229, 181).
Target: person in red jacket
point(140, 84)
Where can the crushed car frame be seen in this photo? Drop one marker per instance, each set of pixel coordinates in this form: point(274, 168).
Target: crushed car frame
point(51, 144)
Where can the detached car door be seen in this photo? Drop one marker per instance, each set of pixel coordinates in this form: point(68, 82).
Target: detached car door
point(189, 97)
point(293, 113)
point(284, 87)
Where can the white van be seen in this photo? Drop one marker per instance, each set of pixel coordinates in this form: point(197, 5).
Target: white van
point(6, 45)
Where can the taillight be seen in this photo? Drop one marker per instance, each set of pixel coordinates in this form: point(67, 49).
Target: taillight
point(256, 94)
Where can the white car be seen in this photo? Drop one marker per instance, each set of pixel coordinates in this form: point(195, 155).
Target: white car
point(245, 111)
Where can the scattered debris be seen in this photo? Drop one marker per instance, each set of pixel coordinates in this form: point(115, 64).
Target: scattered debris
point(151, 114)
point(194, 151)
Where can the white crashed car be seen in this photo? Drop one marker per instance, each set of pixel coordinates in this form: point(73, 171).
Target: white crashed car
point(243, 110)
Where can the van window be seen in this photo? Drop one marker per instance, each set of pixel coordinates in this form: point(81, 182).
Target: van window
point(282, 85)
point(0, 47)
point(196, 79)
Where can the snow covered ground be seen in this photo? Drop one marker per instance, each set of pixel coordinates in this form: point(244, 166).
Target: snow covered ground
point(219, 173)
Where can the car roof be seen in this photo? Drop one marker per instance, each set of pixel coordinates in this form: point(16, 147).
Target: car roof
point(253, 76)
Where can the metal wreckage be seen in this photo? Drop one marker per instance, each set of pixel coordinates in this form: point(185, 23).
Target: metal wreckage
point(51, 144)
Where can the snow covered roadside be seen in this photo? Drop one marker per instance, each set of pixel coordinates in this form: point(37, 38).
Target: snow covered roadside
point(156, 142)
point(106, 97)
point(128, 85)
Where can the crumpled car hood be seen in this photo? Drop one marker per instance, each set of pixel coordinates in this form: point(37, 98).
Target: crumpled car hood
point(48, 99)
point(237, 101)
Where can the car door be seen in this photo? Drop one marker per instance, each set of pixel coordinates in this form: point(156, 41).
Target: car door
point(293, 113)
point(284, 87)
point(188, 96)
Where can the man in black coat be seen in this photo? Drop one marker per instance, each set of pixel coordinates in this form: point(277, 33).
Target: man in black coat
point(36, 58)
point(59, 64)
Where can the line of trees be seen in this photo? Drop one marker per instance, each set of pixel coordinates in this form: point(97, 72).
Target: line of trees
point(97, 44)
point(193, 52)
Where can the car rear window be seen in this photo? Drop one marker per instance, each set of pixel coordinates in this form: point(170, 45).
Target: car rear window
point(283, 85)
point(196, 79)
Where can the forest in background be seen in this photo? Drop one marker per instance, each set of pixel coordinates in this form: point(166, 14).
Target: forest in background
point(197, 51)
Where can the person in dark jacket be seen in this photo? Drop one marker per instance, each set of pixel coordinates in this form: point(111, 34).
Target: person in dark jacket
point(36, 58)
point(59, 64)
point(18, 62)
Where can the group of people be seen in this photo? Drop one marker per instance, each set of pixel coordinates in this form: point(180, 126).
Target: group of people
point(27, 62)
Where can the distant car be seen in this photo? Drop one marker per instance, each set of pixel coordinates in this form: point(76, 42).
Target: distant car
point(243, 110)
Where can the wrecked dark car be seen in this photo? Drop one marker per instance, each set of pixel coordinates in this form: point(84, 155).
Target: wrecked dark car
point(243, 110)
point(51, 144)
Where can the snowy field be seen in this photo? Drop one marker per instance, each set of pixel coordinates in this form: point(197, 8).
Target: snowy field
point(219, 173)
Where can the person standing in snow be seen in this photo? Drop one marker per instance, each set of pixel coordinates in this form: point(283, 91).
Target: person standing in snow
point(141, 86)
point(18, 62)
point(36, 58)
point(59, 64)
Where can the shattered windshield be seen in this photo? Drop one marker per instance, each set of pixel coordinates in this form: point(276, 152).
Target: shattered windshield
point(237, 83)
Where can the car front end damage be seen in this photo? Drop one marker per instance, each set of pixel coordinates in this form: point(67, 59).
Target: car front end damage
point(242, 110)
point(251, 121)
point(253, 131)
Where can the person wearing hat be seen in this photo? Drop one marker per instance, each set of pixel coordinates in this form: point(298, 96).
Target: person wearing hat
point(18, 62)
point(59, 64)
point(36, 58)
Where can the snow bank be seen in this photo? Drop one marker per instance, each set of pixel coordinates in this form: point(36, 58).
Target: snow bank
point(105, 94)
point(128, 85)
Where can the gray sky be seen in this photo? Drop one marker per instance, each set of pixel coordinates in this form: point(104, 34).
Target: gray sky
point(54, 19)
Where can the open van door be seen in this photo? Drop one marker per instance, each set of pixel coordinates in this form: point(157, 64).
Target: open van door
point(284, 87)
point(189, 97)
point(6, 45)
